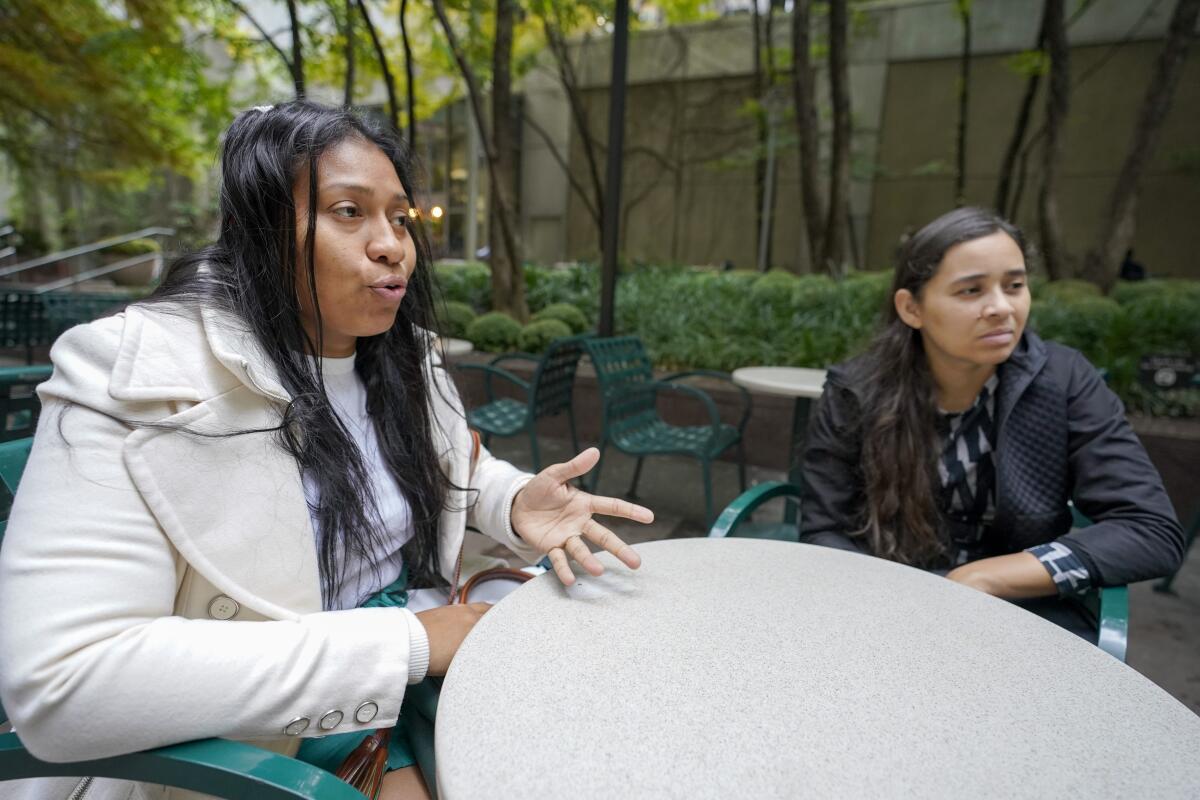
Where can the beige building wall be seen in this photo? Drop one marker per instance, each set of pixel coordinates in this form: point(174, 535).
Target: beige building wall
point(688, 192)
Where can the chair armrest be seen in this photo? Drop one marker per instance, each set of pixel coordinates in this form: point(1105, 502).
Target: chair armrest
point(217, 767)
point(744, 504)
point(747, 399)
point(489, 371)
point(1114, 621)
point(515, 356)
point(714, 416)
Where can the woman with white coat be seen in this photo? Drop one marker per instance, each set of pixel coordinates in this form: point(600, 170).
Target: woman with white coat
point(224, 473)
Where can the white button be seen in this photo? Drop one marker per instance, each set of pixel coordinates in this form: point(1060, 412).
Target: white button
point(296, 727)
point(223, 607)
point(366, 712)
point(330, 721)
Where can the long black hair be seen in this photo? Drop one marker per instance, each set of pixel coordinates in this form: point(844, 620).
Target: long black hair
point(251, 274)
point(899, 406)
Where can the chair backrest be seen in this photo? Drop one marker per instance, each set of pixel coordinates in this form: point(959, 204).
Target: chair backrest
point(13, 456)
point(554, 380)
point(19, 404)
point(622, 368)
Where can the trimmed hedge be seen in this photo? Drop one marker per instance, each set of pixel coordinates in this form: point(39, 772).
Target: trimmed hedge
point(698, 318)
point(455, 319)
point(565, 313)
point(537, 336)
point(494, 332)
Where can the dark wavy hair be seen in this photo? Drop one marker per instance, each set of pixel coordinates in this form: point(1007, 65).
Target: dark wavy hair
point(899, 407)
point(250, 273)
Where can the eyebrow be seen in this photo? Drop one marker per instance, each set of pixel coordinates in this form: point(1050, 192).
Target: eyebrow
point(1012, 273)
point(361, 189)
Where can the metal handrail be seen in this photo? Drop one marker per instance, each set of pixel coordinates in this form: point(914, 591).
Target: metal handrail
point(95, 273)
point(62, 255)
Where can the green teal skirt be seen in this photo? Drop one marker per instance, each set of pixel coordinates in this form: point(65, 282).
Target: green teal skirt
point(328, 752)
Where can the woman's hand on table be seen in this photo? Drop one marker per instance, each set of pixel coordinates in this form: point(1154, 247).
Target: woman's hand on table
point(446, 627)
point(1016, 576)
point(555, 517)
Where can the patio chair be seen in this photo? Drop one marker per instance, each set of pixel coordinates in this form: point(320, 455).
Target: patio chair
point(212, 766)
point(549, 393)
point(1106, 608)
point(631, 423)
point(19, 404)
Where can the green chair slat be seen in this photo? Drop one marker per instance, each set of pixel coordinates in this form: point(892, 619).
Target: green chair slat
point(19, 404)
point(503, 417)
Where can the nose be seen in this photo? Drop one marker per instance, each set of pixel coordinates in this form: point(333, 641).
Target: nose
point(997, 304)
point(385, 245)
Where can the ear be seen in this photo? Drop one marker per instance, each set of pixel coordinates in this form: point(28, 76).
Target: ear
point(908, 309)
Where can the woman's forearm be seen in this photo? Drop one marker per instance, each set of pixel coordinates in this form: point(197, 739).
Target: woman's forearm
point(1016, 576)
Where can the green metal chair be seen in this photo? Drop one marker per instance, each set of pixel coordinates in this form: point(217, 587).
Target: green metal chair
point(19, 404)
point(549, 393)
point(1107, 608)
point(212, 766)
point(631, 422)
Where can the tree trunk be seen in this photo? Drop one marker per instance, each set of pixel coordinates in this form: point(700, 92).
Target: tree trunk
point(508, 283)
point(570, 82)
point(297, 61)
point(963, 8)
point(1004, 183)
point(381, 56)
point(1116, 235)
point(514, 297)
point(1057, 105)
point(348, 89)
point(803, 88)
point(837, 222)
point(760, 131)
point(410, 87)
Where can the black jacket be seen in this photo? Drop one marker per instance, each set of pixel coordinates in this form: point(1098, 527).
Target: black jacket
point(1062, 435)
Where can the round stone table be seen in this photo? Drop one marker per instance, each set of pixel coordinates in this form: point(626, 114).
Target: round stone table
point(746, 668)
point(455, 347)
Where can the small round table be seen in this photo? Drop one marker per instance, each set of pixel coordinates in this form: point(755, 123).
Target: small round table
point(802, 383)
point(748, 668)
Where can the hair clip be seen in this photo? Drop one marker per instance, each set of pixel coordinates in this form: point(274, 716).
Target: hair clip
point(263, 109)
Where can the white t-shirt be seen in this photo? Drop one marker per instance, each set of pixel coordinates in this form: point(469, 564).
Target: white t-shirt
point(348, 396)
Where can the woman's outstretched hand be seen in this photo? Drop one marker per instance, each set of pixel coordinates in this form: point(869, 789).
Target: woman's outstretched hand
point(555, 517)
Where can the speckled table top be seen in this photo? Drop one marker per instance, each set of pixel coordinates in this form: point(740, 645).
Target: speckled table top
point(742, 668)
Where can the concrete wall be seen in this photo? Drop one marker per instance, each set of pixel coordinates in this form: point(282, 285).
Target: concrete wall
point(688, 178)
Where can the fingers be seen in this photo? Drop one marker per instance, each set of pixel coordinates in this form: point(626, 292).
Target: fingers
point(577, 466)
point(558, 559)
point(612, 507)
point(609, 541)
point(582, 555)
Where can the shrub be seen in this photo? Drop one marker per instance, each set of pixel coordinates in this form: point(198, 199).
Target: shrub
point(1066, 289)
point(455, 319)
point(568, 314)
point(1128, 291)
point(469, 282)
point(494, 332)
point(134, 247)
point(1086, 323)
point(537, 336)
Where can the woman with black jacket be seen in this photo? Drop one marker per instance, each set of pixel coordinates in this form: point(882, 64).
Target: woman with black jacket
point(956, 441)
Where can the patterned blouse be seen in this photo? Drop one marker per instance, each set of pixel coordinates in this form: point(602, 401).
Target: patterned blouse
point(968, 492)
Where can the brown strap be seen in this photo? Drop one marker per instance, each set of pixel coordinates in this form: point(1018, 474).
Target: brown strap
point(493, 574)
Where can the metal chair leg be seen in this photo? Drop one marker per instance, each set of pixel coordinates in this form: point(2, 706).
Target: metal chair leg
point(708, 498)
point(637, 474)
point(595, 474)
point(533, 446)
point(487, 440)
point(742, 464)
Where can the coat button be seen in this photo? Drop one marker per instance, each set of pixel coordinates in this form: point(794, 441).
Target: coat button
point(223, 607)
point(366, 712)
point(331, 720)
point(296, 727)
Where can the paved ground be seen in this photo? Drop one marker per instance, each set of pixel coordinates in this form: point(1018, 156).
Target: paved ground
point(1164, 636)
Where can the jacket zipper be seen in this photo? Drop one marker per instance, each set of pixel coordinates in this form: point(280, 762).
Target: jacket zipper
point(81, 789)
point(457, 574)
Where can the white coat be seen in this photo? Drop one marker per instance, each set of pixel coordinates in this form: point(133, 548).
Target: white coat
point(158, 586)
